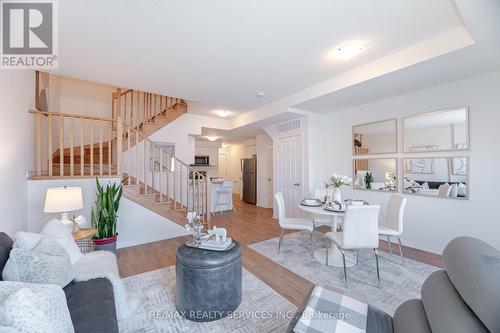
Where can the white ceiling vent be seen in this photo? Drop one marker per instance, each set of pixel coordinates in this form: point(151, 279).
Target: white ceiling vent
point(291, 125)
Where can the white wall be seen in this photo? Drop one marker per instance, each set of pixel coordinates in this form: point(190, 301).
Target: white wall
point(430, 222)
point(16, 146)
point(136, 224)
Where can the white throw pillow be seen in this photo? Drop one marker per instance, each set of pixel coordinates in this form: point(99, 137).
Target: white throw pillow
point(425, 186)
point(33, 308)
point(46, 263)
point(454, 190)
point(26, 240)
point(62, 234)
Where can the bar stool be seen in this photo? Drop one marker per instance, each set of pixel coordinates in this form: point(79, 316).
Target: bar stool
point(223, 197)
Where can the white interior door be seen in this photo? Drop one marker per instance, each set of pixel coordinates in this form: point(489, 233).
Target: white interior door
point(289, 172)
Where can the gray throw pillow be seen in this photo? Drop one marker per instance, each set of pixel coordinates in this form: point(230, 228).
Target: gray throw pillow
point(46, 263)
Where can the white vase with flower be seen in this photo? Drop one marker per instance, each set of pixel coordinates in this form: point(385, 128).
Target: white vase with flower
point(335, 182)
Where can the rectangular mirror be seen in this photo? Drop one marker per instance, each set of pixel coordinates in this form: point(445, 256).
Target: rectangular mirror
point(375, 138)
point(383, 171)
point(446, 130)
point(437, 176)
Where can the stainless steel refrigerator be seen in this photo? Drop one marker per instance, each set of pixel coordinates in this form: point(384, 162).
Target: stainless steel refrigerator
point(249, 170)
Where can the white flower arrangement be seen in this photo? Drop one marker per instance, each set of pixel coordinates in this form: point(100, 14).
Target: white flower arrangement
point(337, 181)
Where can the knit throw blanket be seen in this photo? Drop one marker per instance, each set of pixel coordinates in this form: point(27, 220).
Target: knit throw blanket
point(103, 264)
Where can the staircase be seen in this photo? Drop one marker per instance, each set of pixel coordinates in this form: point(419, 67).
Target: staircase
point(81, 146)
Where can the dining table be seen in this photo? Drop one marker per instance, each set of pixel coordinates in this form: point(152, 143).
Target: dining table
point(334, 254)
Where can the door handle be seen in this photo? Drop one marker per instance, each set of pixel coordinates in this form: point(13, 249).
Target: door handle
point(296, 184)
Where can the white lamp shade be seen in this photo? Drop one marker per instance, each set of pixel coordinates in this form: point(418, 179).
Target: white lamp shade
point(63, 199)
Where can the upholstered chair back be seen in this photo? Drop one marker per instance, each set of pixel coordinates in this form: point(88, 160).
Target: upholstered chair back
point(395, 213)
point(360, 227)
point(320, 194)
point(280, 204)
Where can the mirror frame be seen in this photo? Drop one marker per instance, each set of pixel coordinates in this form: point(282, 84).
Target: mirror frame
point(467, 177)
point(372, 123)
point(467, 130)
point(398, 180)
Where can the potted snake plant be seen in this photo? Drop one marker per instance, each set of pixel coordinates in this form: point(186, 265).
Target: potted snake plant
point(104, 216)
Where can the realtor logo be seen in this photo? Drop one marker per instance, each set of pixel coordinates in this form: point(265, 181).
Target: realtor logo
point(29, 34)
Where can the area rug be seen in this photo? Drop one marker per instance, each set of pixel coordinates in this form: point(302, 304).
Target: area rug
point(261, 309)
point(398, 282)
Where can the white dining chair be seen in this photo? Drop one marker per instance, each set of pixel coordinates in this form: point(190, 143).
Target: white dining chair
point(392, 226)
point(223, 197)
point(360, 231)
point(318, 221)
point(291, 223)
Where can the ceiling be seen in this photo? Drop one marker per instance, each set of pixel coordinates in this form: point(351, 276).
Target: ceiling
point(219, 54)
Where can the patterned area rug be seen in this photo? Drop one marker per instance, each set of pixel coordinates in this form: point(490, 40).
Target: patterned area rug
point(261, 309)
point(398, 282)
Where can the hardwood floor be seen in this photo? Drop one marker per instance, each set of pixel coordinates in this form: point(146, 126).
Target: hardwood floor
point(249, 224)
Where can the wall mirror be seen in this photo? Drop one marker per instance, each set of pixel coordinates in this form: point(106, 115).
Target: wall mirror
point(375, 138)
point(376, 174)
point(437, 131)
point(440, 176)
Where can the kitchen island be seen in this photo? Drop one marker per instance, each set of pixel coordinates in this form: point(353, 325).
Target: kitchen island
point(221, 195)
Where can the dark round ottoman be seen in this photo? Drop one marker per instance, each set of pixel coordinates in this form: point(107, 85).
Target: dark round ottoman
point(208, 282)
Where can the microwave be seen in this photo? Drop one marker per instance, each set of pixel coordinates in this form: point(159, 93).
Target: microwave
point(201, 160)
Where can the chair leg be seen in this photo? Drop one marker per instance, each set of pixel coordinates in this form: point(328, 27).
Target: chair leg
point(357, 257)
point(234, 209)
point(378, 270)
point(389, 243)
point(327, 248)
point(280, 242)
point(401, 250)
point(345, 268)
point(313, 239)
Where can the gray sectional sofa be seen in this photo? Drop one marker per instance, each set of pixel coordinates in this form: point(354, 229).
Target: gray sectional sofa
point(462, 298)
point(91, 303)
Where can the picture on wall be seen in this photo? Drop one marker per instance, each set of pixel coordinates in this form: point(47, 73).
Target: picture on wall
point(459, 166)
point(420, 165)
point(419, 148)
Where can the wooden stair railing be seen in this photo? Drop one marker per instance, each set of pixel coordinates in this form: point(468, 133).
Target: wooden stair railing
point(70, 145)
point(139, 109)
point(166, 179)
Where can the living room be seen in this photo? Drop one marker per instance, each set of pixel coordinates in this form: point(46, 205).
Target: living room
point(249, 166)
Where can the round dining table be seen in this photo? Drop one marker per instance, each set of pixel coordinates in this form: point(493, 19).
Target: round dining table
point(334, 254)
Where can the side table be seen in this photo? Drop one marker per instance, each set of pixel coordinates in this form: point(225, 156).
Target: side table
point(83, 238)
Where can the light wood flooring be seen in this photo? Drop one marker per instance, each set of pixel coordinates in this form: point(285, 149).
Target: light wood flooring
point(250, 224)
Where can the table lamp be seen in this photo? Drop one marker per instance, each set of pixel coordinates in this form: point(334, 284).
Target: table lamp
point(63, 200)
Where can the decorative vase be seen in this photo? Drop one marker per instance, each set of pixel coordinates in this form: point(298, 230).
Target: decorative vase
point(106, 244)
point(336, 195)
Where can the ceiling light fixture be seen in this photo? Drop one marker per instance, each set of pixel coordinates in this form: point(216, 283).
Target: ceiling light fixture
point(261, 94)
point(212, 138)
point(222, 113)
point(347, 50)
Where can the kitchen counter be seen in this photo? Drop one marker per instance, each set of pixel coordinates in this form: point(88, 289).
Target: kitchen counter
point(214, 188)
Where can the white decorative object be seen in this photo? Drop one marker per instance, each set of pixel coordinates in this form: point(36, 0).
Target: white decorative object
point(62, 234)
point(29, 307)
point(82, 222)
point(102, 264)
point(220, 234)
point(336, 195)
point(336, 181)
point(63, 200)
point(46, 263)
point(195, 226)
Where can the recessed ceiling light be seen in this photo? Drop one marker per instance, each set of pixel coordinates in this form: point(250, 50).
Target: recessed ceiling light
point(222, 113)
point(347, 50)
point(212, 138)
point(261, 94)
